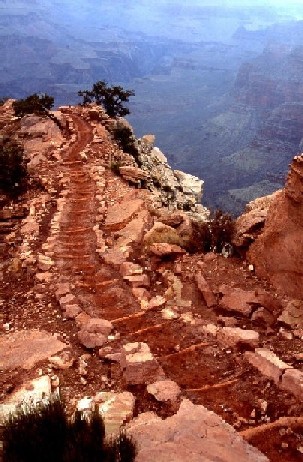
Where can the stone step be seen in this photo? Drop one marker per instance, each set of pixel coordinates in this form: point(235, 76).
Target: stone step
point(76, 231)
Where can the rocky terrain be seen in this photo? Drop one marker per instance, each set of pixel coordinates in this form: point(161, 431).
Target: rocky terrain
point(104, 302)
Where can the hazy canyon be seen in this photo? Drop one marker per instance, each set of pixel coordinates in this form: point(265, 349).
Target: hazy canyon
point(220, 86)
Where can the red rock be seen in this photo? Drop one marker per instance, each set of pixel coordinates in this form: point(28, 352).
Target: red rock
point(205, 290)
point(156, 302)
point(26, 348)
point(267, 363)
point(172, 219)
point(63, 288)
point(114, 257)
point(63, 360)
point(239, 301)
point(292, 381)
point(133, 231)
point(91, 340)
point(250, 224)
point(162, 249)
point(263, 316)
point(138, 280)
point(233, 336)
point(94, 332)
point(193, 434)
point(139, 365)
point(140, 293)
point(164, 390)
point(133, 174)
point(129, 268)
point(121, 213)
point(71, 311)
point(277, 254)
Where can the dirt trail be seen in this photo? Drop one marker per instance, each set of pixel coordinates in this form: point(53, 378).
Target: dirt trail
point(95, 283)
point(208, 372)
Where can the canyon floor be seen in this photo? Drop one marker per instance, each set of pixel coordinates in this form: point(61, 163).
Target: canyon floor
point(79, 251)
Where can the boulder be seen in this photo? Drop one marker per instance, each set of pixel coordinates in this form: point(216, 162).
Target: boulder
point(292, 315)
point(161, 233)
point(26, 348)
point(205, 290)
point(292, 381)
point(138, 364)
point(250, 224)
point(193, 434)
point(162, 249)
point(277, 254)
point(164, 390)
point(233, 336)
point(267, 363)
point(94, 332)
point(239, 301)
point(116, 409)
point(121, 213)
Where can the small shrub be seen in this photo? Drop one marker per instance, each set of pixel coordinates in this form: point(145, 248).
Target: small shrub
point(3, 100)
point(13, 171)
point(39, 104)
point(115, 166)
point(36, 433)
point(44, 433)
point(126, 140)
point(214, 235)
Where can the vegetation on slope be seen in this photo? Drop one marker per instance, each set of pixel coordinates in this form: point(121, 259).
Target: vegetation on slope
point(44, 432)
point(13, 171)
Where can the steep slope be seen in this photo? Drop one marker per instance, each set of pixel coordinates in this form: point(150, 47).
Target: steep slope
point(100, 267)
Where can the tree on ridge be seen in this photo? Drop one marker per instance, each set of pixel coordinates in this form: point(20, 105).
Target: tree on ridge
point(111, 98)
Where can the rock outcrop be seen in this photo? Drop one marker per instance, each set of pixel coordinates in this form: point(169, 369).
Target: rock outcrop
point(147, 166)
point(193, 434)
point(278, 251)
point(174, 189)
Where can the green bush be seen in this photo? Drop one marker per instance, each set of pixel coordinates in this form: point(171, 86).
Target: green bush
point(3, 100)
point(44, 433)
point(13, 171)
point(214, 235)
point(39, 104)
point(126, 140)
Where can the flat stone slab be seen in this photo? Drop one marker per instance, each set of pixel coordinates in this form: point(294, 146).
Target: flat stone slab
point(138, 364)
point(193, 434)
point(232, 336)
point(164, 390)
point(26, 348)
point(267, 363)
point(116, 409)
point(239, 301)
point(120, 214)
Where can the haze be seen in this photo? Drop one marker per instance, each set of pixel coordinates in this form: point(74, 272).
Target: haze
point(217, 82)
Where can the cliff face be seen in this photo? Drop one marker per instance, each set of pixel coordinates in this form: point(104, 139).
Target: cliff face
point(254, 140)
point(278, 252)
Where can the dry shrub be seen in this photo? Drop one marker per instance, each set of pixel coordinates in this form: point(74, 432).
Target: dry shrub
point(44, 433)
